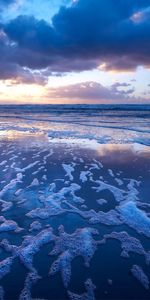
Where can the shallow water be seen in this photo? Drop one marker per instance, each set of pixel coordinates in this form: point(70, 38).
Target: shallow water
point(74, 201)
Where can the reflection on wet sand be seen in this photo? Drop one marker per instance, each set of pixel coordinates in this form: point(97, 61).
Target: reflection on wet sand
point(66, 198)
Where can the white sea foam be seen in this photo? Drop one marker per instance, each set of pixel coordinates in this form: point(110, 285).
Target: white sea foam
point(135, 218)
point(53, 203)
point(81, 168)
point(36, 225)
point(139, 274)
point(9, 225)
point(80, 243)
point(85, 143)
point(31, 165)
point(84, 175)
point(12, 184)
point(5, 205)
point(31, 279)
point(88, 295)
point(128, 244)
point(5, 266)
point(68, 169)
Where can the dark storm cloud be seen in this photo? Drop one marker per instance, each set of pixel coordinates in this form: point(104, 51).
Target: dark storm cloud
point(83, 36)
point(10, 69)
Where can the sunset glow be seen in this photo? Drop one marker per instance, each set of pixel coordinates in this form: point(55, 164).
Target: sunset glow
point(37, 62)
point(74, 149)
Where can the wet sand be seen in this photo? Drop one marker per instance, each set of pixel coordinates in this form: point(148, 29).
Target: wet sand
point(88, 188)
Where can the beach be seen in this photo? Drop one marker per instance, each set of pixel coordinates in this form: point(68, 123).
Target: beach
point(74, 202)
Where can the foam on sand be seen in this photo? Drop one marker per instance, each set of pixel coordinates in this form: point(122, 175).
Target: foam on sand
point(43, 182)
point(5, 266)
point(5, 205)
point(88, 295)
point(135, 218)
point(68, 169)
point(53, 203)
point(82, 142)
point(35, 182)
point(29, 166)
point(128, 244)
point(9, 225)
point(32, 245)
point(11, 185)
point(80, 243)
point(139, 274)
point(119, 194)
point(112, 217)
point(31, 279)
point(84, 175)
point(29, 247)
point(36, 225)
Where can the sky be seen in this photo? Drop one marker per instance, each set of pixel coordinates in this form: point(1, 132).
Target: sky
point(74, 51)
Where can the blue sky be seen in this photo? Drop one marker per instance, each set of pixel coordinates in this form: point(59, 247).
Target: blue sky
point(44, 9)
point(81, 51)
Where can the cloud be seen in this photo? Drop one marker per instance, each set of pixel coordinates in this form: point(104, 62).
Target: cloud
point(10, 69)
point(116, 89)
point(121, 84)
point(88, 34)
point(6, 3)
point(17, 74)
point(92, 92)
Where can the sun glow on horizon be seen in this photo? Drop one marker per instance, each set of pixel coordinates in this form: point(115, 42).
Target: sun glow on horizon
point(12, 91)
point(50, 49)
